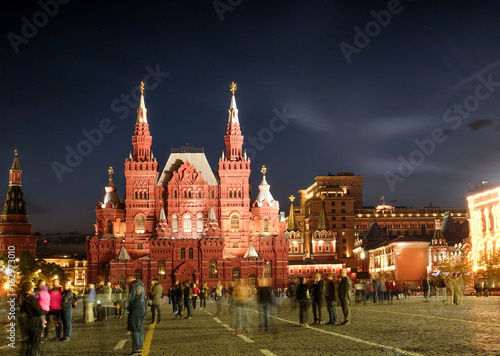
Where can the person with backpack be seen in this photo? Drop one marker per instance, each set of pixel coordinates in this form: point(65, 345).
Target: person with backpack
point(68, 302)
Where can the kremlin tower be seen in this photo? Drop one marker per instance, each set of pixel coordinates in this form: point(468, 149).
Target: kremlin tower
point(15, 231)
point(188, 222)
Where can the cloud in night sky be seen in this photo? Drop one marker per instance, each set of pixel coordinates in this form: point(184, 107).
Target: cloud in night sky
point(478, 124)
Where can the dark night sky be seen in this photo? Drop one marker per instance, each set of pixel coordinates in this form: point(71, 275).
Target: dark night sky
point(363, 116)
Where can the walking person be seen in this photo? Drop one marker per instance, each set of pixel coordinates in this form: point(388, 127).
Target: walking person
point(179, 299)
point(203, 295)
point(318, 296)
point(155, 297)
point(188, 300)
point(331, 297)
point(67, 305)
point(137, 313)
point(196, 292)
point(303, 298)
point(55, 310)
point(89, 304)
point(33, 323)
point(265, 299)
point(345, 287)
point(218, 298)
point(426, 287)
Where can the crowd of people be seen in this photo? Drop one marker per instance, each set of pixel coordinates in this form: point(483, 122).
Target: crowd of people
point(45, 308)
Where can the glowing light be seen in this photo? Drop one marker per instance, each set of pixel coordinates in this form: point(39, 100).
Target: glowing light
point(363, 255)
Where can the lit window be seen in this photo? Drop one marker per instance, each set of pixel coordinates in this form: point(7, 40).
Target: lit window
point(266, 225)
point(199, 224)
point(139, 224)
point(175, 224)
point(212, 268)
point(161, 269)
point(187, 223)
point(235, 223)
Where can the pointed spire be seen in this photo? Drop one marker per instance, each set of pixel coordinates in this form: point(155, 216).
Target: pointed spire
point(291, 225)
point(233, 138)
point(211, 214)
point(130, 156)
point(110, 196)
point(251, 253)
point(264, 193)
point(14, 202)
point(223, 156)
point(123, 255)
point(233, 110)
point(322, 216)
point(142, 112)
point(162, 216)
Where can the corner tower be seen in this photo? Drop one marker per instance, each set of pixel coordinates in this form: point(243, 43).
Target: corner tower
point(234, 173)
point(15, 231)
point(140, 172)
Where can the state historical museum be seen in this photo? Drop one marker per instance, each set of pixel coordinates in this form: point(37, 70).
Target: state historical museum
point(188, 222)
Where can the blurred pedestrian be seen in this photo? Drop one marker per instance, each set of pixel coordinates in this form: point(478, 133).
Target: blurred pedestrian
point(155, 297)
point(68, 300)
point(345, 288)
point(137, 313)
point(33, 323)
point(303, 298)
point(55, 310)
point(265, 299)
point(89, 304)
point(331, 296)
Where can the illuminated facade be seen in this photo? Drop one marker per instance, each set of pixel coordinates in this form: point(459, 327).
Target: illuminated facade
point(484, 210)
point(322, 226)
point(188, 222)
point(15, 231)
point(74, 269)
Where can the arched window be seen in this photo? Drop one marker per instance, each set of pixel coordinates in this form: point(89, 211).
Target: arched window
point(266, 225)
point(187, 223)
point(235, 223)
point(183, 253)
point(199, 224)
point(189, 194)
point(199, 194)
point(138, 274)
point(230, 194)
point(267, 270)
point(139, 224)
point(109, 228)
point(175, 224)
point(191, 253)
point(212, 268)
point(212, 194)
point(175, 194)
point(185, 194)
point(235, 273)
point(480, 253)
point(239, 193)
point(160, 267)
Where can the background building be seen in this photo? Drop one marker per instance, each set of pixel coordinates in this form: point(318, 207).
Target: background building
point(188, 222)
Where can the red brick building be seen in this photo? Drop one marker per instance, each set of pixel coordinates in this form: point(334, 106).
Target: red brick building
point(15, 231)
point(187, 221)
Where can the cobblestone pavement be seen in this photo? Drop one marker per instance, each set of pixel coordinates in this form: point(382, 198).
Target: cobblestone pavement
point(406, 327)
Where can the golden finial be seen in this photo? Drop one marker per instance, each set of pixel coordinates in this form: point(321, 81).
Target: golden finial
point(142, 88)
point(233, 87)
point(15, 152)
point(292, 198)
point(111, 171)
point(263, 170)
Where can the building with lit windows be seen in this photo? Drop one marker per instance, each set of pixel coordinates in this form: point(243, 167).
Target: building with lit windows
point(75, 269)
point(484, 210)
point(188, 222)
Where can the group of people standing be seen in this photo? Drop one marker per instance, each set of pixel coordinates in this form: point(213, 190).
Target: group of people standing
point(332, 292)
point(41, 305)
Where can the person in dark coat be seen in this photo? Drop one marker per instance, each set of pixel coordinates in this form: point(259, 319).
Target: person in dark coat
point(345, 288)
point(137, 313)
point(68, 298)
point(265, 299)
point(33, 321)
point(318, 293)
point(303, 297)
point(331, 296)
